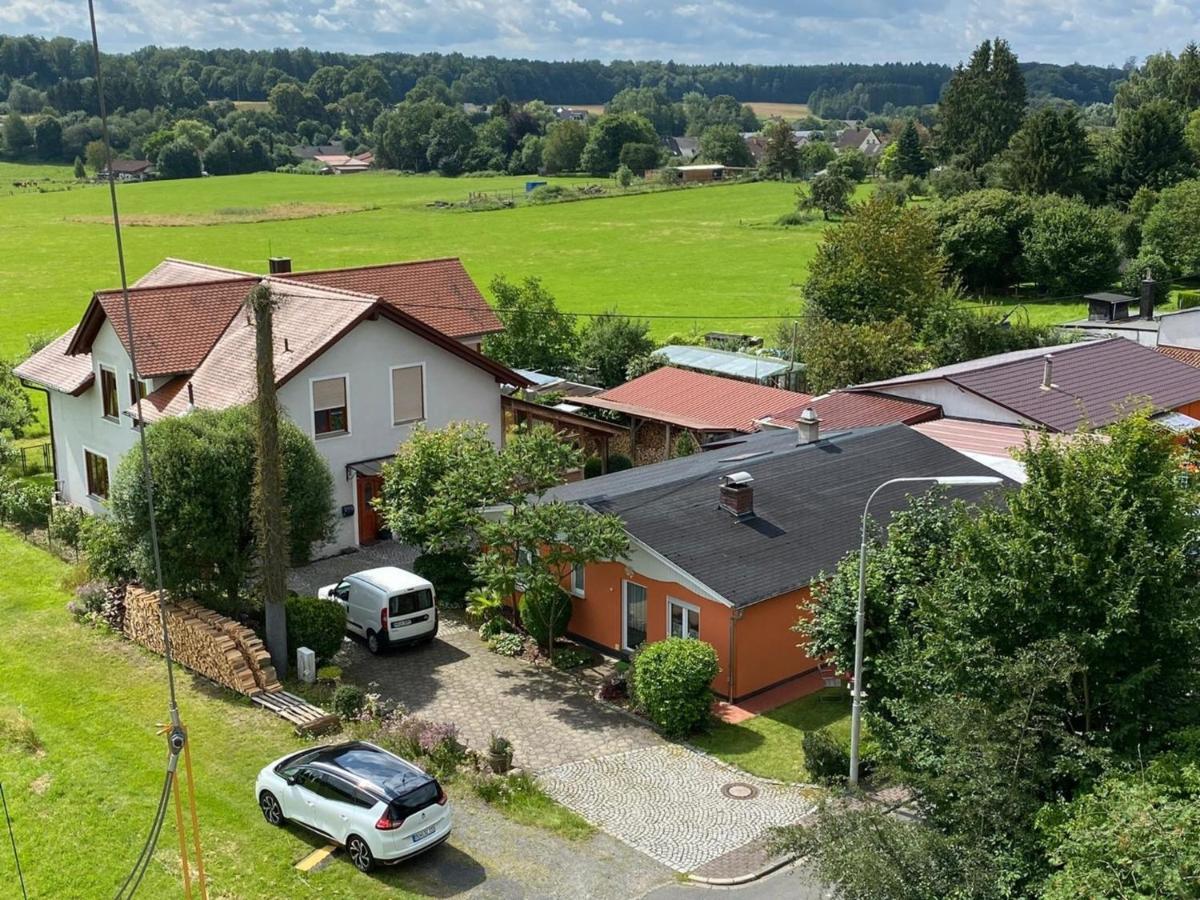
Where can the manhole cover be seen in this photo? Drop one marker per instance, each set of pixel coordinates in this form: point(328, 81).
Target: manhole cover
point(739, 791)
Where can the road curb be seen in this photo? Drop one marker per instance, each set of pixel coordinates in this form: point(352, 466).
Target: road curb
point(769, 868)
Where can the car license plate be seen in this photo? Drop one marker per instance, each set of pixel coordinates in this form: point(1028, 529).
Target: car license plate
point(424, 833)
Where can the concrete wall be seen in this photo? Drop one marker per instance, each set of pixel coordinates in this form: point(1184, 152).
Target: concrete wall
point(1181, 329)
point(455, 391)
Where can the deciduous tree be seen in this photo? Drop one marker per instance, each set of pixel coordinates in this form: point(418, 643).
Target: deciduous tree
point(536, 335)
point(607, 345)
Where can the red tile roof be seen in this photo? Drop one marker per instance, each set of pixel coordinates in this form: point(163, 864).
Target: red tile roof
point(863, 409)
point(176, 325)
point(696, 400)
point(1183, 354)
point(439, 292)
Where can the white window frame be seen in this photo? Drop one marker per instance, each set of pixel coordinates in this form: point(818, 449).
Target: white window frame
point(625, 582)
point(116, 389)
point(579, 589)
point(87, 480)
point(686, 607)
point(392, 395)
point(312, 408)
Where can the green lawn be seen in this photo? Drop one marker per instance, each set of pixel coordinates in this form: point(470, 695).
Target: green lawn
point(769, 745)
point(702, 251)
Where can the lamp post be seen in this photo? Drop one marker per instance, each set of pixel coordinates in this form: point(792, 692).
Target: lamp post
point(860, 621)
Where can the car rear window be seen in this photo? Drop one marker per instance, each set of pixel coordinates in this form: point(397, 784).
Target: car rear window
point(415, 800)
point(413, 601)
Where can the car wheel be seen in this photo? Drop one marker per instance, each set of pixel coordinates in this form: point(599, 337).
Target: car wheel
point(373, 642)
point(271, 809)
point(360, 853)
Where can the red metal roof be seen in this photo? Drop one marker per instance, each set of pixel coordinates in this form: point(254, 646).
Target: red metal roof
point(1183, 354)
point(696, 400)
point(439, 292)
point(863, 409)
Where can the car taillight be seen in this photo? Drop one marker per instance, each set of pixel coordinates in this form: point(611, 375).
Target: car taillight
point(383, 619)
point(387, 823)
point(441, 797)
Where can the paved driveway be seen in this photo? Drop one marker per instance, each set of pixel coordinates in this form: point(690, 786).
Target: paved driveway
point(550, 718)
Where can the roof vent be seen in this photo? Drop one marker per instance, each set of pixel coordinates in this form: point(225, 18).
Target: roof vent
point(1047, 371)
point(808, 427)
point(737, 494)
point(279, 265)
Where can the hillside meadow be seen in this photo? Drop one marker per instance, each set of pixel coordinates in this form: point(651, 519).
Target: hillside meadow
point(682, 254)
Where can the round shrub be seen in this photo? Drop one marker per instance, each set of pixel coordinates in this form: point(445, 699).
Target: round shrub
point(545, 613)
point(450, 574)
point(319, 625)
point(348, 700)
point(1131, 281)
point(827, 756)
point(507, 644)
point(592, 467)
point(619, 462)
point(671, 683)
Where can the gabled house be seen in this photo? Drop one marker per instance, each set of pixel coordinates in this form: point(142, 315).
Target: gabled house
point(362, 355)
point(1088, 383)
point(726, 545)
point(129, 170)
point(863, 139)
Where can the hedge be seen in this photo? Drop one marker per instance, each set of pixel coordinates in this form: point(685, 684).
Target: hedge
point(319, 625)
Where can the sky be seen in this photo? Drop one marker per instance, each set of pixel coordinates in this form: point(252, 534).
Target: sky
point(750, 31)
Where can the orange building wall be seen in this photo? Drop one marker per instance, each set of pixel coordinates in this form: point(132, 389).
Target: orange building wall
point(1190, 409)
point(766, 648)
point(597, 615)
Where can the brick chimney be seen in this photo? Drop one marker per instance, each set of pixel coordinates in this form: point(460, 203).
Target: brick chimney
point(279, 265)
point(737, 494)
point(808, 427)
point(1146, 299)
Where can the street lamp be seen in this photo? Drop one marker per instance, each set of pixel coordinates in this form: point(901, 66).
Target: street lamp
point(860, 624)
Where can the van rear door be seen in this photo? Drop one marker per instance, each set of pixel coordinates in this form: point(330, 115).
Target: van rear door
point(410, 612)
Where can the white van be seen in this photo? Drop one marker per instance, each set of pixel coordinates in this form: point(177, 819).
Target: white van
point(386, 606)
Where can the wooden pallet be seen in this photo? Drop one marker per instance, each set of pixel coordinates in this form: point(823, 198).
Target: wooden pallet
point(307, 718)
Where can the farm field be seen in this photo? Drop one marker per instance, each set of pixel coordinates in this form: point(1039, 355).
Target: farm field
point(706, 251)
point(765, 109)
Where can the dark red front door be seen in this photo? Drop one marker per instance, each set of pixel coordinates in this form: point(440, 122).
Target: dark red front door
point(368, 519)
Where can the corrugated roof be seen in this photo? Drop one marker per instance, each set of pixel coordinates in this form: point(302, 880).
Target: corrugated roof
point(807, 504)
point(696, 400)
point(862, 409)
point(1094, 382)
point(439, 292)
point(51, 367)
point(724, 362)
point(1182, 354)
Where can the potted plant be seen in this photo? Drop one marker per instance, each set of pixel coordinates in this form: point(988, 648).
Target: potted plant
point(500, 754)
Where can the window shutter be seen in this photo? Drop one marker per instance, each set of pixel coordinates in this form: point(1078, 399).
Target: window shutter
point(329, 393)
point(408, 394)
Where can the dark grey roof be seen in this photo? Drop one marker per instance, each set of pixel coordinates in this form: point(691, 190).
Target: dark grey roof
point(808, 502)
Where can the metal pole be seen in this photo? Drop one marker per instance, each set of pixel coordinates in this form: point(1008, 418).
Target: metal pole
point(859, 629)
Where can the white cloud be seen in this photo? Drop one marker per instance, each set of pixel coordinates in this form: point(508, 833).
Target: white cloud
point(761, 31)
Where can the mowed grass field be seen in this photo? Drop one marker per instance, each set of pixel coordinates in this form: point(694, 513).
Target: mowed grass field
point(685, 255)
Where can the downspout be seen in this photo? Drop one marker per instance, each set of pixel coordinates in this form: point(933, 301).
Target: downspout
point(733, 619)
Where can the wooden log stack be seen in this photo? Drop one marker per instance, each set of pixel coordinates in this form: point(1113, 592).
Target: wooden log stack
point(207, 642)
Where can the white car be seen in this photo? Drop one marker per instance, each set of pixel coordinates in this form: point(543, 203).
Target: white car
point(375, 804)
point(386, 606)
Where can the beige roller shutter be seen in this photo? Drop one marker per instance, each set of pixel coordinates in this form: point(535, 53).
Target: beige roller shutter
point(408, 394)
point(329, 393)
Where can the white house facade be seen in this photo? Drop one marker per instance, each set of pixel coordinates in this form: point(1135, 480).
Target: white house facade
point(356, 371)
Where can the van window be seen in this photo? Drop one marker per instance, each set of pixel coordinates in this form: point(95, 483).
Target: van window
point(414, 601)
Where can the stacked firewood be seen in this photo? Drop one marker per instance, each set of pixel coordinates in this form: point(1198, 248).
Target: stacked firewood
point(202, 640)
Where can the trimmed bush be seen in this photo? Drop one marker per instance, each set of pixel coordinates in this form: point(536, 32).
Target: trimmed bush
point(107, 552)
point(348, 700)
point(1188, 299)
point(826, 758)
point(545, 615)
point(619, 462)
point(592, 467)
point(319, 625)
point(671, 683)
point(450, 573)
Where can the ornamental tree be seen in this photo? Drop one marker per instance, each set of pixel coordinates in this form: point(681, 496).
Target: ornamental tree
point(536, 335)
